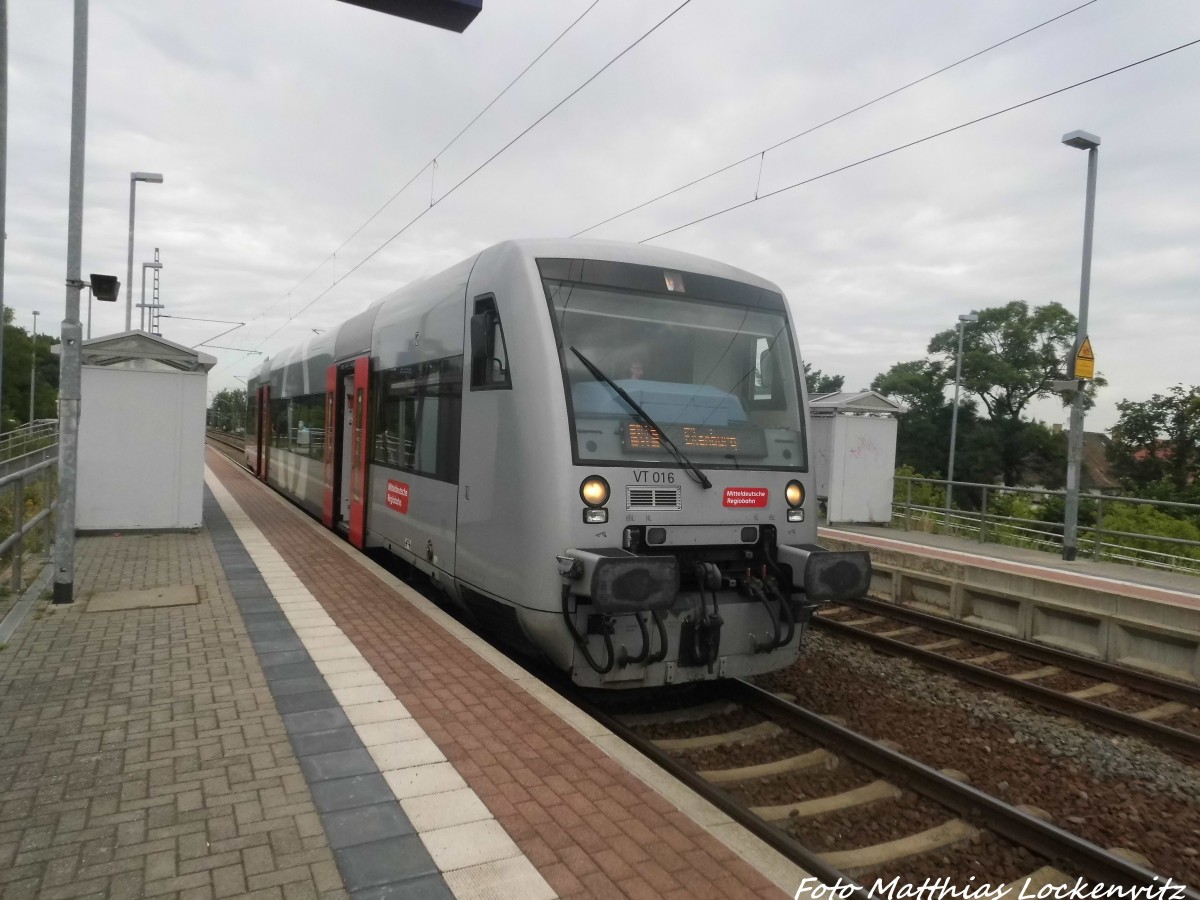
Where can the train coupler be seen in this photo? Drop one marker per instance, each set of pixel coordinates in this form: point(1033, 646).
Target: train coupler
point(700, 640)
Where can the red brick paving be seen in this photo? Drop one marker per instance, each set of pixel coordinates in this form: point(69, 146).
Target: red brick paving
point(591, 828)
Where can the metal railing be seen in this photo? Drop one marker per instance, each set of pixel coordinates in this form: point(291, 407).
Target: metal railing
point(27, 504)
point(33, 436)
point(989, 523)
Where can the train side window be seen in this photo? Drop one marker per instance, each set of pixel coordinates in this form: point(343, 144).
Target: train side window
point(489, 353)
point(417, 412)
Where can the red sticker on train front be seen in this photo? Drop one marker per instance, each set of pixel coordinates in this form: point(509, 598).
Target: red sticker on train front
point(739, 497)
point(397, 496)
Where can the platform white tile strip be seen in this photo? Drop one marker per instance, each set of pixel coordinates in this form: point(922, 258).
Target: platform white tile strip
point(419, 781)
point(461, 846)
point(517, 875)
point(475, 854)
point(459, 807)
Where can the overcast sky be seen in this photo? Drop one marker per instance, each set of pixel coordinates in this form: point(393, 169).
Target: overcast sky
point(281, 126)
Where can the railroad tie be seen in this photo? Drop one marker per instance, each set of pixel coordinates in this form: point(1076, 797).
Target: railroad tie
point(987, 658)
point(898, 632)
point(1162, 711)
point(869, 620)
point(815, 759)
point(864, 859)
point(1035, 674)
point(1102, 689)
point(1036, 811)
point(939, 645)
point(1138, 859)
point(759, 732)
point(676, 716)
point(803, 809)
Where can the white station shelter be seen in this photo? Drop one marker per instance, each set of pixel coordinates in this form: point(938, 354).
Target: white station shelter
point(853, 446)
point(141, 434)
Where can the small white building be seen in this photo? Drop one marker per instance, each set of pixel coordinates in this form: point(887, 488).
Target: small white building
point(853, 447)
point(141, 434)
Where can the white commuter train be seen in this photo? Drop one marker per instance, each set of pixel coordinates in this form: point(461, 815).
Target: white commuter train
point(598, 450)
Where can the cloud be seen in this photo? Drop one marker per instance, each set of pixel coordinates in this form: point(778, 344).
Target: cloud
point(281, 125)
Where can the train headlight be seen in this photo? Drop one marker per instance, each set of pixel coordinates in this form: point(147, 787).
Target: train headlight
point(594, 491)
point(794, 493)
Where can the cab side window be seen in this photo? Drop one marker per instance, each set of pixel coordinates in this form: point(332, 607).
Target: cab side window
point(489, 354)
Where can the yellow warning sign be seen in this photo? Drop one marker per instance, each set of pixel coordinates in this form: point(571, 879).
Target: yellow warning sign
point(1085, 360)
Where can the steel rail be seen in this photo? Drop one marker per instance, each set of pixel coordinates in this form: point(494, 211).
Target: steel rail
point(1042, 838)
point(227, 440)
point(771, 835)
point(1163, 736)
point(1083, 665)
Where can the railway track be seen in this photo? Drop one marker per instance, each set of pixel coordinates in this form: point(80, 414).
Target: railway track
point(1153, 701)
point(929, 816)
point(231, 445)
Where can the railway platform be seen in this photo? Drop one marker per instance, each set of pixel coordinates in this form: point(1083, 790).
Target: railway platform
point(256, 709)
point(1139, 617)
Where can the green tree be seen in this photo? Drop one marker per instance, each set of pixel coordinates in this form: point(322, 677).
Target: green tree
point(820, 383)
point(228, 410)
point(1155, 447)
point(1010, 357)
point(19, 351)
point(923, 433)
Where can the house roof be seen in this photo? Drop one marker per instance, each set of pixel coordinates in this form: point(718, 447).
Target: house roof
point(1096, 473)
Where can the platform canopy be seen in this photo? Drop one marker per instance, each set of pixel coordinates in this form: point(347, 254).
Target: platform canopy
point(145, 352)
point(453, 15)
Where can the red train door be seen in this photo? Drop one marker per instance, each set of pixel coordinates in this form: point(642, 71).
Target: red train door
point(358, 452)
point(332, 436)
point(262, 440)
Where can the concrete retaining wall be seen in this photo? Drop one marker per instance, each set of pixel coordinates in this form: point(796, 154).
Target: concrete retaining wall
point(1106, 625)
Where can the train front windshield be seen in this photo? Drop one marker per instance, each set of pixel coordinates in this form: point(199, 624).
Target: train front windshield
point(719, 378)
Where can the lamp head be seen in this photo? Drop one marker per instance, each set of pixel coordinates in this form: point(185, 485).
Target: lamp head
point(105, 287)
point(151, 265)
point(1081, 140)
point(968, 318)
point(152, 177)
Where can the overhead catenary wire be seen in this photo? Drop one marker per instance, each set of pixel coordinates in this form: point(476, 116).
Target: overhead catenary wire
point(432, 163)
point(476, 171)
point(923, 140)
point(761, 154)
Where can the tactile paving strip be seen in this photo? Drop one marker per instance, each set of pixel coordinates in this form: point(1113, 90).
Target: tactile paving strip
point(397, 814)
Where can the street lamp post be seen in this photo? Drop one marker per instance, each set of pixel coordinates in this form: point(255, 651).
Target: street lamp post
point(142, 305)
point(963, 321)
point(1081, 140)
point(134, 178)
point(33, 366)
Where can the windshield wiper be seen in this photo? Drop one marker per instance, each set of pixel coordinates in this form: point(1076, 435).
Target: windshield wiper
point(699, 477)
